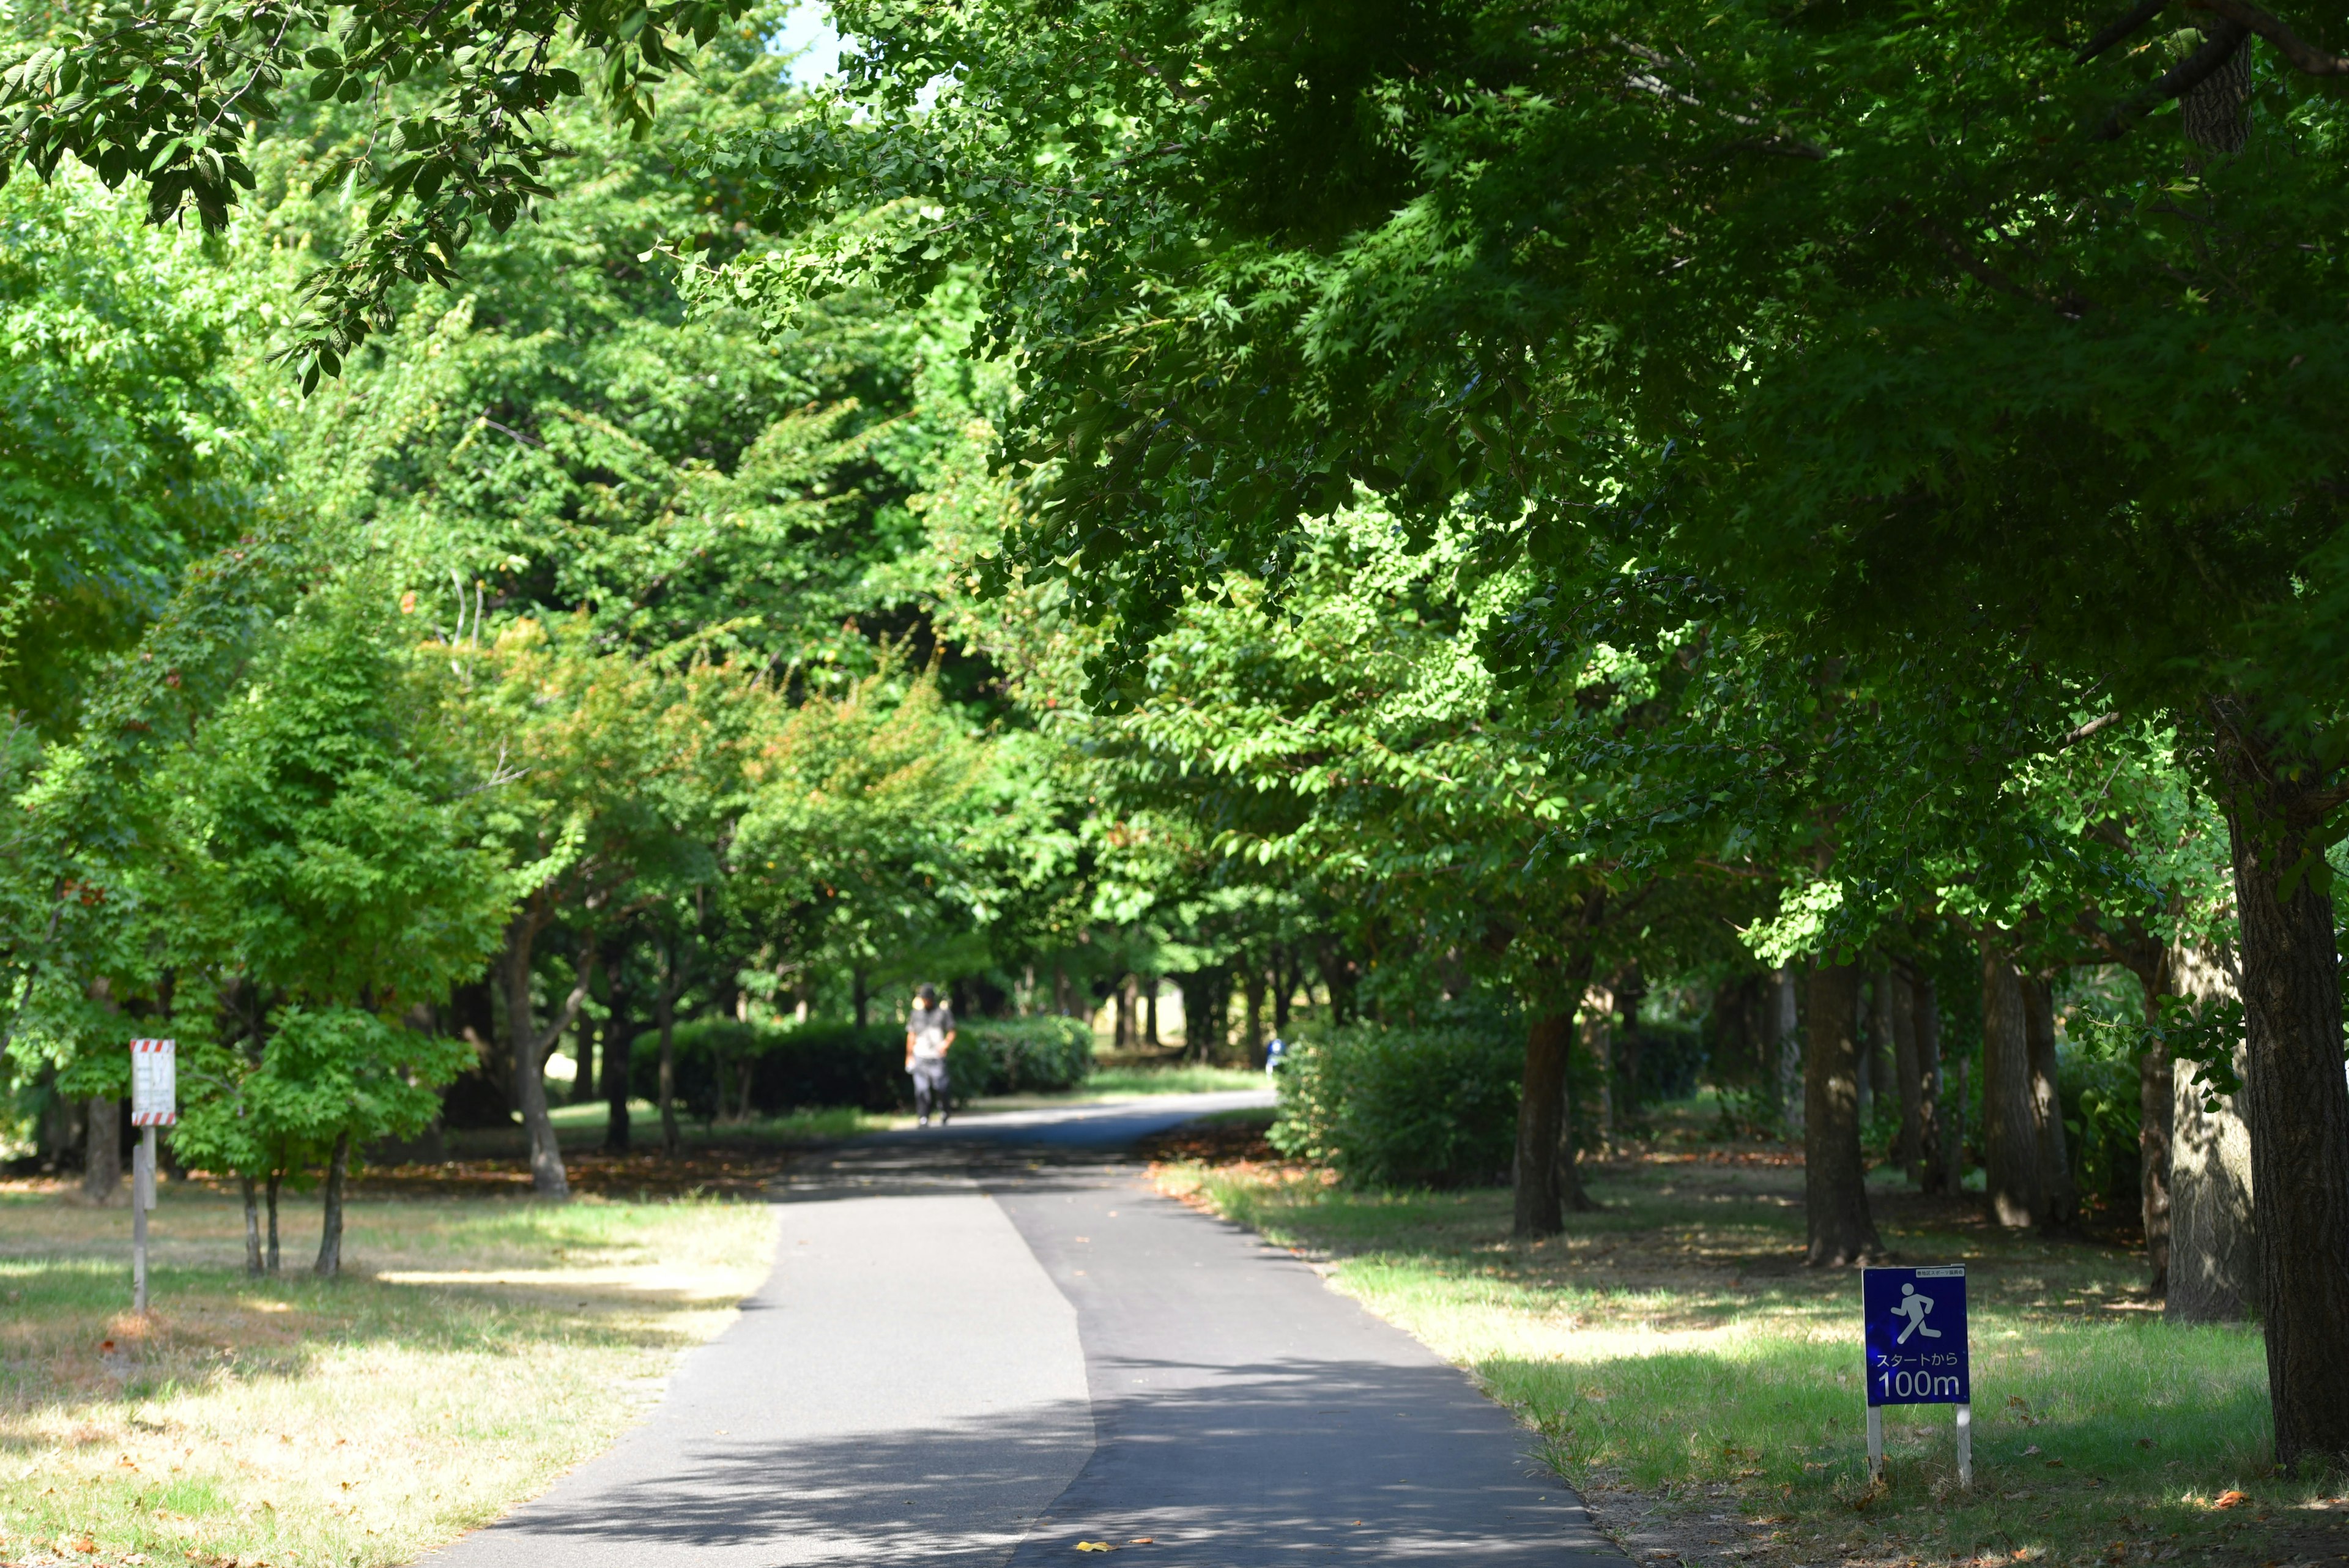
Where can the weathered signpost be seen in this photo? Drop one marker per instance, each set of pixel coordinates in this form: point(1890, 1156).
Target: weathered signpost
point(154, 1103)
point(1916, 1335)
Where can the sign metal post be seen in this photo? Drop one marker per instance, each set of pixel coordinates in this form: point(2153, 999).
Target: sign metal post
point(1915, 1328)
point(154, 1103)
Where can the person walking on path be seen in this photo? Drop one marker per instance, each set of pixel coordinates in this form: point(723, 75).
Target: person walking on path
point(929, 1034)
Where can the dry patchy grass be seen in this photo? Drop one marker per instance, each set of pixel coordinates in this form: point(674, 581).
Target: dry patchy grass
point(1704, 1389)
point(476, 1348)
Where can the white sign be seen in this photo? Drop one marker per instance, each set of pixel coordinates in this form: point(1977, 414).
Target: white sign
point(154, 1082)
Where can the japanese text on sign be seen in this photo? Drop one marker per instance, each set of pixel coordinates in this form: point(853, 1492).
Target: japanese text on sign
point(154, 1082)
point(1915, 1336)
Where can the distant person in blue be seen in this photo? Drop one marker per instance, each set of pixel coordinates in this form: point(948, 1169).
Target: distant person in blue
point(929, 1035)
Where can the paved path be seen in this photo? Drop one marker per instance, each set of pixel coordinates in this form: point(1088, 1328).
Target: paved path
point(983, 1344)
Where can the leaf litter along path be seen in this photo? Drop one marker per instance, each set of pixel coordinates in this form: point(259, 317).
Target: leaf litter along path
point(993, 1342)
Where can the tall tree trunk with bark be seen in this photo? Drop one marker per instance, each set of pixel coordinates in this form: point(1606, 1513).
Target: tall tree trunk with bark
point(1787, 1032)
point(1941, 1116)
point(2149, 960)
point(2214, 1256)
point(102, 1159)
point(531, 1046)
point(665, 1019)
point(2010, 1144)
point(861, 996)
point(619, 1063)
point(252, 1225)
point(1541, 1107)
point(1900, 1021)
point(547, 1177)
point(1908, 1069)
point(1835, 1191)
point(269, 1191)
point(330, 1235)
point(583, 1085)
point(1543, 1166)
point(2295, 1099)
point(2059, 1196)
point(1252, 1011)
point(2214, 1253)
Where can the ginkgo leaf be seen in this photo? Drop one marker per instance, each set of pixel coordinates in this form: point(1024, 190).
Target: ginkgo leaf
point(1095, 1546)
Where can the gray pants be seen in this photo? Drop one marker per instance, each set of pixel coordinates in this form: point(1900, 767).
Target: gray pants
point(929, 1085)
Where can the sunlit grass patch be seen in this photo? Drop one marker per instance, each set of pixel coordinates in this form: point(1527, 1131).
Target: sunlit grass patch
point(1670, 1345)
point(478, 1348)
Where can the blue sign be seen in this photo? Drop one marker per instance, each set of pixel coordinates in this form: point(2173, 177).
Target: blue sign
point(1915, 1336)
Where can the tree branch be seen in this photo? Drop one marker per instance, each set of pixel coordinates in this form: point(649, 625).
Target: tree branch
point(2218, 48)
point(2082, 731)
point(2114, 32)
point(1980, 271)
point(544, 1043)
point(2303, 56)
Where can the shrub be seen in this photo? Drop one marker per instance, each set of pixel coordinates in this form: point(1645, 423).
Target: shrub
point(2102, 1110)
point(1427, 1105)
point(727, 1067)
point(724, 1067)
point(1020, 1055)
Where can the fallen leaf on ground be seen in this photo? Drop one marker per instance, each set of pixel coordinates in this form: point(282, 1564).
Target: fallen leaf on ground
point(1142, 1540)
point(1095, 1546)
point(2230, 1498)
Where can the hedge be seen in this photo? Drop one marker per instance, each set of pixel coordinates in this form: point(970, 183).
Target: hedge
point(1389, 1106)
point(787, 1066)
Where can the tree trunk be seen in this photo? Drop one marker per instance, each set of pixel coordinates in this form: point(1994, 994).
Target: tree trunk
point(1875, 1055)
point(1150, 1012)
point(862, 998)
point(1941, 1114)
point(1598, 1038)
point(330, 1238)
point(1542, 1126)
point(2214, 1257)
point(101, 1161)
point(1835, 1191)
point(619, 1063)
point(547, 1177)
point(251, 1226)
point(1252, 1011)
point(1122, 1021)
point(276, 1179)
point(2157, 1090)
point(583, 1086)
point(2296, 1101)
point(1900, 1020)
point(1786, 1026)
point(665, 1019)
point(1339, 976)
point(2059, 1196)
point(2010, 1146)
point(1284, 987)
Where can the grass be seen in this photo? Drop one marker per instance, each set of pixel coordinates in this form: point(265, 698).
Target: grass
point(585, 1124)
point(476, 1349)
point(1704, 1389)
point(1171, 1080)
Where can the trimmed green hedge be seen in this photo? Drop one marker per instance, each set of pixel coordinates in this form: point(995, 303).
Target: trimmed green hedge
point(786, 1067)
point(1021, 1055)
point(1430, 1105)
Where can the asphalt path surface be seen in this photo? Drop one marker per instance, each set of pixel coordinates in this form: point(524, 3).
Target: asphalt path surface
point(985, 1343)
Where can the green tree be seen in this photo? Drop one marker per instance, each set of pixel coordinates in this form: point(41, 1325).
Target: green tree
point(131, 451)
point(325, 883)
